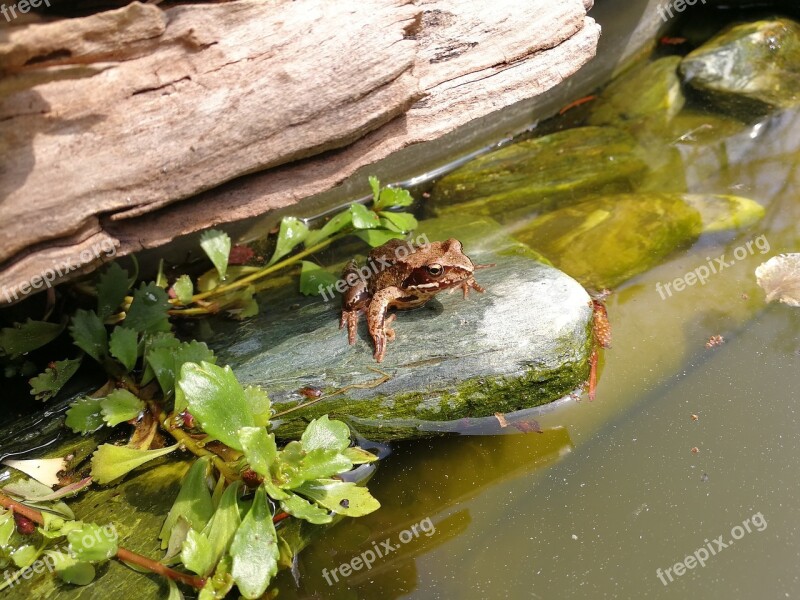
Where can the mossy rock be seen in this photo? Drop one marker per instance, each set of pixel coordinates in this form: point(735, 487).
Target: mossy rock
point(605, 241)
point(540, 174)
point(647, 96)
point(523, 343)
point(748, 69)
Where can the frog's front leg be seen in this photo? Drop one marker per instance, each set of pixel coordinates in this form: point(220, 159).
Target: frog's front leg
point(378, 322)
point(354, 300)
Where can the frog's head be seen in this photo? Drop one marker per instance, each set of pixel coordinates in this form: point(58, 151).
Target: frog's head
point(438, 266)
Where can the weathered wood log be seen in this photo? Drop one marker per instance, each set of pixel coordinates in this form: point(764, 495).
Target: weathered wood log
point(108, 119)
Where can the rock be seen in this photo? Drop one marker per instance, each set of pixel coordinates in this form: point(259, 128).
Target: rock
point(648, 96)
point(749, 68)
point(543, 173)
point(522, 344)
point(605, 241)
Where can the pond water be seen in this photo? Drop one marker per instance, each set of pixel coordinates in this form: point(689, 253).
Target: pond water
point(687, 451)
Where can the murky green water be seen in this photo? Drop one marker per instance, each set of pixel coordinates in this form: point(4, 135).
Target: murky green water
point(683, 444)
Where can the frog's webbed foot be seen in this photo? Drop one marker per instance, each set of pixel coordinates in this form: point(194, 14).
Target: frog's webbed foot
point(350, 318)
point(471, 283)
point(381, 337)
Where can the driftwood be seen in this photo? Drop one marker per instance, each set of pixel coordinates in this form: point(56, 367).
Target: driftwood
point(123, 130)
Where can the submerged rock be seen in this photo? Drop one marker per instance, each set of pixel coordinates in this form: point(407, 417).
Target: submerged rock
point(648, 96)
point(604, 241)
point(523, 343)
point(543, 173)
point(752, 67)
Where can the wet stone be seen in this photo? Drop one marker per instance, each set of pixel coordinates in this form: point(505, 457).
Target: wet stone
point(523, 343)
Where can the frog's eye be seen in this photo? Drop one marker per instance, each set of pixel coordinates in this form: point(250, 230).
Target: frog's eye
point(435, 270)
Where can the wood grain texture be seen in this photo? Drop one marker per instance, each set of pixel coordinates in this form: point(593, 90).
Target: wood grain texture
point(214, 113)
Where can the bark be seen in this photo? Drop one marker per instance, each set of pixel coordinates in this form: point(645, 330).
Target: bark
point(131, 127)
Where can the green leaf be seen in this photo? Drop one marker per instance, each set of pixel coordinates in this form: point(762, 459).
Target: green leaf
point(7, 527)
point(273, 490)
point(70, 569)
point(292, 232)
point(217, 401)
point(218, 585)
point(148, 311)
point(344, 498)
point(325, 434)
point(303, 509)
point(112, 287)
point(120, 406)
point(260, 405)
point(378, 237)
point(226, 520)
point(217, 246)
point(193, 501)
point(111, 462)
point(196, 554)
point(375, 185)
point(23, 556)
point(124, 346)
point(314, 279)
point(174, 591)
point(89, 334)
point(259, 449)
point(166, 362)
point(359, 456)
point(211, 279)
point(335, 225)
point(151, 343)
point(85, 415)
point(92, 543)
point(184, 288)
point(391, 197)
point(176, 538)
point(287, 471)
point(324, 463)
point(46, 385)
point(254, 550)
point(364, 218)
point(26, 337)
point(404, 222)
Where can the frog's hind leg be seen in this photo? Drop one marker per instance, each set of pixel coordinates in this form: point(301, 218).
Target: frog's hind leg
point(377, 319)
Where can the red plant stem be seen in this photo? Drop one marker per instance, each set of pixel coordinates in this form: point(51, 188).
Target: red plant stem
point(122, 553)
point(280, 517)
point(593, 374)
point(156, 567)
point(26, 511)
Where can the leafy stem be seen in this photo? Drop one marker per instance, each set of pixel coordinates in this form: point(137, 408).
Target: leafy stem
point(192, 446)
point(244, 281)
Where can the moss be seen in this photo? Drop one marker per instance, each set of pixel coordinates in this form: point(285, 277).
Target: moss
point(748, 69)
point(420, 414)
point(542, 173)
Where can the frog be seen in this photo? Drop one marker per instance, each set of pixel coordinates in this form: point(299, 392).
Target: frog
point(407, 276)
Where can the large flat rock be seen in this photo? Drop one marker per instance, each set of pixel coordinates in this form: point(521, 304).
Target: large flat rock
point(522, 344)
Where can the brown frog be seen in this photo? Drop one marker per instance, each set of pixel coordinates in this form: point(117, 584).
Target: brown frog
point(402, 275)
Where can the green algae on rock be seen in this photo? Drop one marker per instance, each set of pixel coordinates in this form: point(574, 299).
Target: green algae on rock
point(523, 343)
point(605, 241)
point(540, 174)
point(648, 95)
point(752, 67)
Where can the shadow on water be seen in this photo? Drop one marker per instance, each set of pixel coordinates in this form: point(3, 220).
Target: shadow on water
point(449, 477)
